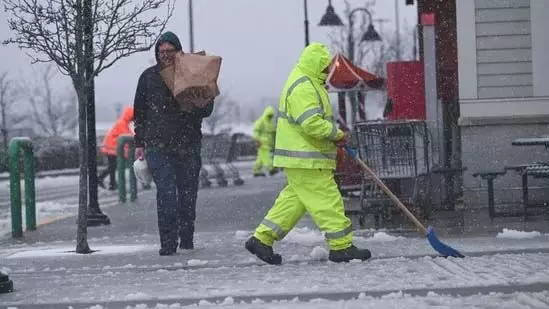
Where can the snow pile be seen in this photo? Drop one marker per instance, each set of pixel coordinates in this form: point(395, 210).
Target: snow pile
point(382, 237)
point(196, 262)
point(242, 234)
point(393, 300)
point(319, 254)
point(138, 295)
point(514, 234)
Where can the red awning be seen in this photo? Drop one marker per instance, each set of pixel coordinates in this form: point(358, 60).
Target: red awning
point(345, 76)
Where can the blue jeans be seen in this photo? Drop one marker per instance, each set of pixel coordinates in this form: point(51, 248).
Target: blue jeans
point(176, 177)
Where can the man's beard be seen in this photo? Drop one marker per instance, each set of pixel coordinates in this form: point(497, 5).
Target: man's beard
point(166, 62)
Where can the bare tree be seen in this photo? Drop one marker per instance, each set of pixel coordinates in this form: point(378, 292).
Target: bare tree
point(54, 115)
point(9, 117)
point(222, 115)
point(83, 38)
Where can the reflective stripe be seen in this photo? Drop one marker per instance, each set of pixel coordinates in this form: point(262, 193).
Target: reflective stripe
point(333, 134)
point(304, 154)
point(295, 84)
point(308, 114)
point(339, 234)
point(273, 226)
point(298, 81)
point(283, 115)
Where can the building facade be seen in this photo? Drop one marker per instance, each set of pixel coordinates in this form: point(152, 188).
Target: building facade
point(503, 82)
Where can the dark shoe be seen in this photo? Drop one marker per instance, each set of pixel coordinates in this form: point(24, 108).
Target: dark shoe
point(95, 217)
point(263, 252)
point(351, 253)
point(186, 244)
point(274, 172)
point(113, 187)
point(167, 251)
point(259, 174)
point(100, 183)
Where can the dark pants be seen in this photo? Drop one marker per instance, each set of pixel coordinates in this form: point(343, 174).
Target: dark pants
point(176, 179)
point(111, 171)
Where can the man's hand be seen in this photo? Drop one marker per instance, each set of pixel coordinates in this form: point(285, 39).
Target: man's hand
point(140, 153)
point(345, 140)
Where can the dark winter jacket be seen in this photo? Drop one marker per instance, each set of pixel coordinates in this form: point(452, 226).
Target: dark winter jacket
point(159, 122)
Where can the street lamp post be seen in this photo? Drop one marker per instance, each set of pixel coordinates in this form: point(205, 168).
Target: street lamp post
point(331, 19)
point(370, 35)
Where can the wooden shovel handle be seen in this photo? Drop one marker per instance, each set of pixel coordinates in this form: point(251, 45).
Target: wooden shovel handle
point(393, 197)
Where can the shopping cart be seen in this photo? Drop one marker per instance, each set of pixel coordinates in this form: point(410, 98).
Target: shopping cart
point(398, 152)
point(216, 156)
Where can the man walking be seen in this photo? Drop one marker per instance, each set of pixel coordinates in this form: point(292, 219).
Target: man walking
point(264, 136)
point(306, 145)
point(170, 140)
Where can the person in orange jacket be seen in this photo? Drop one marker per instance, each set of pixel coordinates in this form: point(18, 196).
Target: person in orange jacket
point(108, 147)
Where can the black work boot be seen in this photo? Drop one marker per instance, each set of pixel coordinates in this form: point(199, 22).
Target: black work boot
point(263, 252)
point(351, 253)
point(274, 171)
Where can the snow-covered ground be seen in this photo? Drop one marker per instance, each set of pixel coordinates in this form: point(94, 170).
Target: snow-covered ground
point(509, 269)
point(399, 300)
point(128, 269)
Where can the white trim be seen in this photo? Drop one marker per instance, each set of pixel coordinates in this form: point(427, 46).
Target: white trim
point(514, 107)
point(467, 49)
point(540, 45)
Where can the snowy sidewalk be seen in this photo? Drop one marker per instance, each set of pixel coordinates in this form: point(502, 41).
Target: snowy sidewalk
point(509, 270)
point(128, 271)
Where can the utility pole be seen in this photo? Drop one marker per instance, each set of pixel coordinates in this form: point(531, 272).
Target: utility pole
point(191, 30)
point(397, 30)
point(306, 22)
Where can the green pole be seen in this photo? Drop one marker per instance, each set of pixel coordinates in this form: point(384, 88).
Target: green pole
point(15, 189)
point(14, 150)
point(121, 164)
point(30, 193)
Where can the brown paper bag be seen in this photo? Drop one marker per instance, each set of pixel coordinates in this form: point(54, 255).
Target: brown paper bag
point(192, 79)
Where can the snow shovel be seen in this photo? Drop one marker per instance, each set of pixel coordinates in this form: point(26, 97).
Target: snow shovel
point(429, 232)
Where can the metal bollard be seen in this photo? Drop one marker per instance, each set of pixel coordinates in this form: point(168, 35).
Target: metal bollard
point(17, 145)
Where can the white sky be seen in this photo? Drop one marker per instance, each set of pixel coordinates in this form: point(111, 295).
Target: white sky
point(259, 41)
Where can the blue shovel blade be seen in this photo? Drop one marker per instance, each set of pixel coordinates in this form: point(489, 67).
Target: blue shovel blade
point(439, 246)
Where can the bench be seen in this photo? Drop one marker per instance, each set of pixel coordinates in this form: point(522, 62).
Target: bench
point(489, 176)
point(536, 170)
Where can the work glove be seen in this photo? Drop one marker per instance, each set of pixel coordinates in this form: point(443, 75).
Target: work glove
point(344, 140)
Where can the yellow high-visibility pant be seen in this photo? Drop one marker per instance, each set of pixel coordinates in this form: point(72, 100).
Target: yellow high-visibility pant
point(316, 192)
point(264, 160)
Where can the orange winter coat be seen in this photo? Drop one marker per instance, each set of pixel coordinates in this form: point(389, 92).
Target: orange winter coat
point(120, 127)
